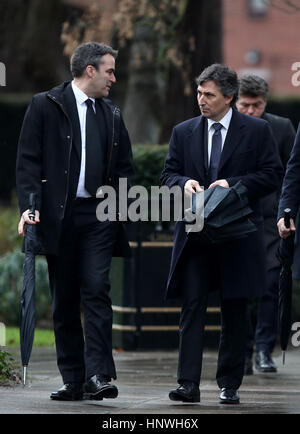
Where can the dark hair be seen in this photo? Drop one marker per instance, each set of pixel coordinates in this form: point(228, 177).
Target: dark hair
point(253, 85)
point(225, 78)
point(89, 53)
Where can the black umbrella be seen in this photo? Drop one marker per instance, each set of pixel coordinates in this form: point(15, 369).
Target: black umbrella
point(286, 254)
point(27, 313)
point(225, 214)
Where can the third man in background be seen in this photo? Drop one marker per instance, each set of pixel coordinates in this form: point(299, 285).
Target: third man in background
point(252, 101)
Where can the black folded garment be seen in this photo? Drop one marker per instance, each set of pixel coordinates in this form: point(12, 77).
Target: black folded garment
point(226, 212)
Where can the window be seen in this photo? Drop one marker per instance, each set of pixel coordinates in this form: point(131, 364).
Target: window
point(258, 8)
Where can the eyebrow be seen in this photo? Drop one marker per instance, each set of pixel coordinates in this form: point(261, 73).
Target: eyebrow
point(205, 92)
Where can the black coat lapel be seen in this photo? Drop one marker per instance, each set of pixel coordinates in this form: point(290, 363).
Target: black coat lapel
point(199, 146)
point(233, 137)
point(71, 109)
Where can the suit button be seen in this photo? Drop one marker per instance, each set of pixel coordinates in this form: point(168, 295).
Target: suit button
point(61, 206)
point(115, 144)
point(66, 172)
point(109, 179)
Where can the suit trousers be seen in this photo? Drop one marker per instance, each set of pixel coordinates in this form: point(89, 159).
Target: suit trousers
point(200, 274)
point(79, 276)
point(263, 320)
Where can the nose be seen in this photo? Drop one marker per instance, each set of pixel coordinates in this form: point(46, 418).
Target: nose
point(201, 100)
point(250, 110)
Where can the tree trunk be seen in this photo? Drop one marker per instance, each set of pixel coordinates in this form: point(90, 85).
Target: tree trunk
point(201, 33)
point(145, 92)
point(30, 44)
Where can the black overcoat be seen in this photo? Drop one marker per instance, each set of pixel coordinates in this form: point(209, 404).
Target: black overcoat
point(249, 155)
point(290, 194)
point(50, 129)
point(290, 197)
point(284, 135)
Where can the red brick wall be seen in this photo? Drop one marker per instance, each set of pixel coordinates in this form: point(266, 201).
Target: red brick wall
point(276, 36)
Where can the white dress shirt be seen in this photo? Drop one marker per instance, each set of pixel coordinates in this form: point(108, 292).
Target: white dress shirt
point(225, 122)
point(81, 98)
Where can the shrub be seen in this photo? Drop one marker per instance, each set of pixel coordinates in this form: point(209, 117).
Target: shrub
point(148, 163)
point(8, 371)
point(9, 237)
point(11, 278)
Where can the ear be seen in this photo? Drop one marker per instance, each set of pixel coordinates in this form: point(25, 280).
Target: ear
point(228, 99)
point(90, 70)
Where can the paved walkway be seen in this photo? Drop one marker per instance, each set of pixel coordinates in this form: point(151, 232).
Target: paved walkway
point(144, 380)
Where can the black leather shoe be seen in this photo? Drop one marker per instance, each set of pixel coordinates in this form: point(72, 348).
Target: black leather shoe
point(68, 392)
point(97, 388)
point(229, 396)
point(264, 362)
point(186, 392)
point(248, 369)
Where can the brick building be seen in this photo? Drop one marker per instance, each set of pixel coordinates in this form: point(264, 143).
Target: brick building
point(265, 40)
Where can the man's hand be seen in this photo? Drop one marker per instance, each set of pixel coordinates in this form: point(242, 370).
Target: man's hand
point(192, 186)
point(221, 182)
point(26, 220)
point(285, 232)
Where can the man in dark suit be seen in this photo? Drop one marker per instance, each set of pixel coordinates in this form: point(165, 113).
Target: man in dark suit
point(220, 147)
point(73, 141)
point(262, 331)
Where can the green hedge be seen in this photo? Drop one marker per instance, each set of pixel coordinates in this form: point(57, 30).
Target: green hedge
point(11, 278)
point(9, 237)
point(148, 163)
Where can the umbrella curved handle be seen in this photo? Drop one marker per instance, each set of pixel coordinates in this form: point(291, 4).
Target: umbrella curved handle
point(287, 216)
point(32, 206)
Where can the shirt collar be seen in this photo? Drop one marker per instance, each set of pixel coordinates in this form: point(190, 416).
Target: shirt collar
point(80, 96)
point(225, 121)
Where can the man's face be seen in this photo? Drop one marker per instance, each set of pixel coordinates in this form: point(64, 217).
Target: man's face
point(102, 79)
point(251, 105)
point(212, 103)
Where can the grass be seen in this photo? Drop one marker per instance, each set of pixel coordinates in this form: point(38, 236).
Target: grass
point(42, 338)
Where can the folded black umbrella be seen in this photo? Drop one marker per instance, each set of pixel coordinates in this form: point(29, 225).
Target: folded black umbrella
point(27, 311)
point(226, 212)
point(286, 255)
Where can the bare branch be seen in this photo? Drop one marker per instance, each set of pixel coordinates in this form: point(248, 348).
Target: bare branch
point(288, 6)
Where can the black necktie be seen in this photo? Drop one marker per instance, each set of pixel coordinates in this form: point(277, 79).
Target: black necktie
point(216, 149)
point(94, 169)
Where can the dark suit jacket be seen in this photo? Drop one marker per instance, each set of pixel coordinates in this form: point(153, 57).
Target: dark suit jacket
point(284, 135)
point(47, 166)
point(290, 194)
point(249, 155)
point(290, 197)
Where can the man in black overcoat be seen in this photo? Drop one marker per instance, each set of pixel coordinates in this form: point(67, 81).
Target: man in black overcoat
point(290, 193)
point(262, 331)
point(220, 147)
point(73, 141)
